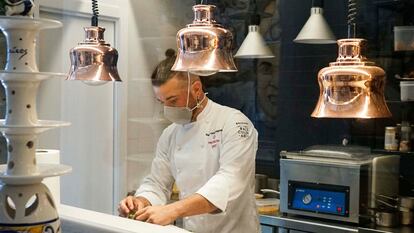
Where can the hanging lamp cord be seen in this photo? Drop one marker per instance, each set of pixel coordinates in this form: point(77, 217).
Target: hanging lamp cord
point(95, 13)
point(317, 3)
point(352, 14)
point(255, 6)
point(254, 17)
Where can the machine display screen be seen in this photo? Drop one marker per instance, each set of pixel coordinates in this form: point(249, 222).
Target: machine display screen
point(319, 198)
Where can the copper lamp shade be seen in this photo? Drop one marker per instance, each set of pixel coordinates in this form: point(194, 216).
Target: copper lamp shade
point(93, 61)
point(351, 87)
point(204, 47)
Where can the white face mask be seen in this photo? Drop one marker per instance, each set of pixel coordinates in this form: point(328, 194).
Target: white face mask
point(182, 115)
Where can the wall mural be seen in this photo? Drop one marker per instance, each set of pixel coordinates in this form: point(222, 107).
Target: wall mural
point(254, 88)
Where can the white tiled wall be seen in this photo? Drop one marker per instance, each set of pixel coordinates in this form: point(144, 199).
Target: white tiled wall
point(153, 27)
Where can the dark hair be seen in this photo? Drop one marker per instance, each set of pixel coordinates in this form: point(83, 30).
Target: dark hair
point(163, 72)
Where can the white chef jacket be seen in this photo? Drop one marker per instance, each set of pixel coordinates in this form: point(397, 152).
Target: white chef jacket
point(214, 157)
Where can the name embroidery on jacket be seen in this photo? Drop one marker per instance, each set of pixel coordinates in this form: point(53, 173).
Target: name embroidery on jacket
point(214, 139)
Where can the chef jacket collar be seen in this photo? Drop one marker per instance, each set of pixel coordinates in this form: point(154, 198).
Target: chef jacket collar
point(201, 116)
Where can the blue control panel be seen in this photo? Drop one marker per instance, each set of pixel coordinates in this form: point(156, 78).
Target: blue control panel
point(325, 199)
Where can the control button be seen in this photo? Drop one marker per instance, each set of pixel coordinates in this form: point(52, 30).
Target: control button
point(307, 199)
point(339, 209)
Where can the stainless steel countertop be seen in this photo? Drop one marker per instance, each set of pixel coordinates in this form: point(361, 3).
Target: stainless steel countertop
point(319, 226)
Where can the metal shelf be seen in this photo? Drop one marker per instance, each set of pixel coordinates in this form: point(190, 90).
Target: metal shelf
point(390, 4)
point(401, 153)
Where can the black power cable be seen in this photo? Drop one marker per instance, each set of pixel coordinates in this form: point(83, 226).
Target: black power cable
point(317, 3)
point(95, 13)
point(352, 14)
point(254, 19)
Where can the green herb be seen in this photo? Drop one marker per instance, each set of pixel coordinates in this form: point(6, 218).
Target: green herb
point(131, 215)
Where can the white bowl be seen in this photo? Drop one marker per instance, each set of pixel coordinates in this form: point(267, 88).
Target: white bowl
point(407, 90)
point(403, 38)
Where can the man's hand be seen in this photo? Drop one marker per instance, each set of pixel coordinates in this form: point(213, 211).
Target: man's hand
point(132, 204)
point(161, 215)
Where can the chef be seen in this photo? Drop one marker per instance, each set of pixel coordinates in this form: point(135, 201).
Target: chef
point(209, 152)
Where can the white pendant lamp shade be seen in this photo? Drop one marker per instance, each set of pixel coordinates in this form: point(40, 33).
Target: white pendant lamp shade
point(254, 46)
point(316, 30)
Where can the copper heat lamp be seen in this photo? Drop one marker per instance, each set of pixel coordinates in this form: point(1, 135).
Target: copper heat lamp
point(93, 61)
point(204, 47)
point(351, 87)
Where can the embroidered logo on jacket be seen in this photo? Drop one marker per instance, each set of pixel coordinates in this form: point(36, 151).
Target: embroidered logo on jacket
point(243, 129)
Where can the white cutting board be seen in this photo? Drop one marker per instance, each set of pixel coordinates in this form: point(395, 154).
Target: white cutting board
point(77, 220)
